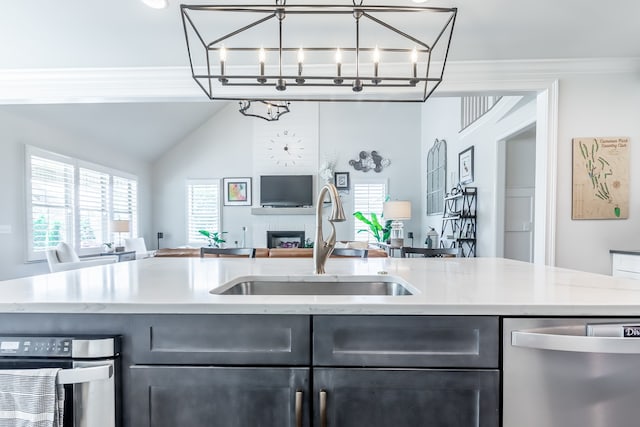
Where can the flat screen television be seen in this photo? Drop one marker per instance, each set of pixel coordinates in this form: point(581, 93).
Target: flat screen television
point(281, 191)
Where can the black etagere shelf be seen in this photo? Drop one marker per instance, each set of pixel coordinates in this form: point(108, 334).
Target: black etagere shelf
point(459, 220)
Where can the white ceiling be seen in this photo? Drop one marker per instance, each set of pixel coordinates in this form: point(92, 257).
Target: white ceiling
point(143, 131)
point(45, 34)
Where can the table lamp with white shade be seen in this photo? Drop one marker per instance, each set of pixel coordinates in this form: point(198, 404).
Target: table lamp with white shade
point(120, 226)
point(397, 211)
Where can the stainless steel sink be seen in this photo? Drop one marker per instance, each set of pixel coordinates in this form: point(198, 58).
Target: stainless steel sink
point(316, 285)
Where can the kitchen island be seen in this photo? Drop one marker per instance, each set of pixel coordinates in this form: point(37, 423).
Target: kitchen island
point(190, 356)
point(456, 286)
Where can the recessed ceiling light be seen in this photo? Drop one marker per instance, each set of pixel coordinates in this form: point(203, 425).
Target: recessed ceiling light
point(156, 4)
point(419, 1)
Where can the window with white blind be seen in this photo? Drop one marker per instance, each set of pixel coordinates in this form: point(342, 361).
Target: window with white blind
point(93, 207)
point(50, 201)
point(368, 198)
point(125, 205)
point(73, 201)
point(203, 208)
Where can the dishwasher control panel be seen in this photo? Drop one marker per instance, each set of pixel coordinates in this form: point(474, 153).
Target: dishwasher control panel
point(36, 346)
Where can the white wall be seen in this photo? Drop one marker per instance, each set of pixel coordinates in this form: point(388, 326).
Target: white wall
point(596, 105)
point(391, 129)
point(18, 131)
point(219, 148)
point(441, 119)
point(222, 148)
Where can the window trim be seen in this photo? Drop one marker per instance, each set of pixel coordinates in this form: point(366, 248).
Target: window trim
point(192, 181)
point(73, 236)
point(366, 181)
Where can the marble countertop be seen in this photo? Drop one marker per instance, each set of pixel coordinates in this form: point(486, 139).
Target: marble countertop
point(456, 286)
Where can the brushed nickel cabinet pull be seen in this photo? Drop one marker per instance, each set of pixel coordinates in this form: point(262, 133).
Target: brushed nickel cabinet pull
point(323, 408)
point(298, 409)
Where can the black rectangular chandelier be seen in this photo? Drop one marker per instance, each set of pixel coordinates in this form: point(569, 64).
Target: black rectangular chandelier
point(318, 52)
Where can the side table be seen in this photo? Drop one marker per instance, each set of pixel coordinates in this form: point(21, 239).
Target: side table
point(122, 256)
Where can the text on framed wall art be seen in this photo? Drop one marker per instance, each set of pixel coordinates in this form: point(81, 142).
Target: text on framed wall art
point(600, 178)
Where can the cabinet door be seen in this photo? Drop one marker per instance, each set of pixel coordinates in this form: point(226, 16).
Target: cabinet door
point(171, 396)
point(405, 398)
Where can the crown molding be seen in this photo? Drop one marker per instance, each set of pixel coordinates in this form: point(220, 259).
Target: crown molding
point(160, 84)
point(512, 75)
point(98, 85)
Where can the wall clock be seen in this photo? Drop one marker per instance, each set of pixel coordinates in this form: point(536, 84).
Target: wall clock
point(285, 148)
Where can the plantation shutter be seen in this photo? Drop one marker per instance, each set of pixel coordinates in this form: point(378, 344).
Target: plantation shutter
point(367, 198)
point(93, 207)
point(125, 205)
point(51, 202)
point(203, 208)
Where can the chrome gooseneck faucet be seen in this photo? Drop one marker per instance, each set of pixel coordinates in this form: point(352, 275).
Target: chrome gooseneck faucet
point(322, 249)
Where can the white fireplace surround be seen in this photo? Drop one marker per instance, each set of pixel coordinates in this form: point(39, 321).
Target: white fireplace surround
point(285, 239)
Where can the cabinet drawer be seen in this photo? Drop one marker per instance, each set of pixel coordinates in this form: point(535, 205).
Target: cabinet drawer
point(406, 341)
point(222, 339)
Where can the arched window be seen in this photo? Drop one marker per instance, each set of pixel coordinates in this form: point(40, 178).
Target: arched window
point(436, 176)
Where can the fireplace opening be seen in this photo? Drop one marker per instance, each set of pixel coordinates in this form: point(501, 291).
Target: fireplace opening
point(285, 239)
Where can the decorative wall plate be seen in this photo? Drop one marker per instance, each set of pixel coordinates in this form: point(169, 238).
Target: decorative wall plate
point(369, 161)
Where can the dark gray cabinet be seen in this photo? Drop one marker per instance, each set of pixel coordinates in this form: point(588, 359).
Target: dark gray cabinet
point(220, 370)
point(272, 370)
point(350, 397)
point(406, 371)
point(170, 396)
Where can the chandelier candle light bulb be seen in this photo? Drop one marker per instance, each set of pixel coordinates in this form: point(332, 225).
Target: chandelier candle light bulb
point(223, 59)
point(339, 79)
point(414, 62)
point(300, 80)
point(376, 62)
point(262, 56)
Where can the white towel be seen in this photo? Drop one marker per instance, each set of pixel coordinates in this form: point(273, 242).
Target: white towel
point(31, 398)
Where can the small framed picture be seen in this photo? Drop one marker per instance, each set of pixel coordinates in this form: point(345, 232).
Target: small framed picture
point(465, 166)
point(341, 180)
point(237, 191)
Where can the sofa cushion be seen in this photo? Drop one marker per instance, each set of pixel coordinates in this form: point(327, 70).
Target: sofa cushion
point(66, 253)
point(357, 245)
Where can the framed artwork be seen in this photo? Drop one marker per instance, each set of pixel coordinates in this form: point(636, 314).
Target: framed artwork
point(601, 171)
point(341, 180)
point(237, 191)
point(465, 166)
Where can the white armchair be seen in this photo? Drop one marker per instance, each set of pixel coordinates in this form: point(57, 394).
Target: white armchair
point(64, 258)
point(137, 244)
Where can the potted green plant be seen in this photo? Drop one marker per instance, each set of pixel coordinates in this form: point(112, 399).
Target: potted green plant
point(379, 232)
point(214, 238)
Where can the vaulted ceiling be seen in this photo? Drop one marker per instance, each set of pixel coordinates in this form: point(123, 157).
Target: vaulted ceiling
point(43, 34)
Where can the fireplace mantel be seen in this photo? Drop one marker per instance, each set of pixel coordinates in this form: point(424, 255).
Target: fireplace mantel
point(283, 211)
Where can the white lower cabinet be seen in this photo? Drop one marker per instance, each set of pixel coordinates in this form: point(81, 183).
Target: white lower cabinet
point(626, 265)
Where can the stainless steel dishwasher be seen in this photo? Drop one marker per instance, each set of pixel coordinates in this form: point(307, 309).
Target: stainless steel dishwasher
point(89, 373)
point(571, 372)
